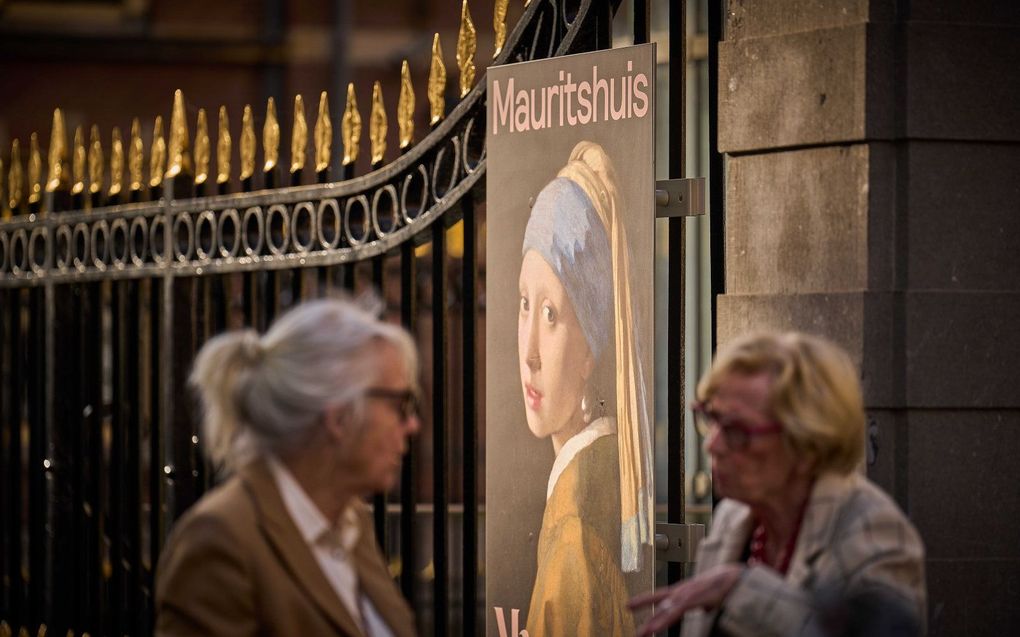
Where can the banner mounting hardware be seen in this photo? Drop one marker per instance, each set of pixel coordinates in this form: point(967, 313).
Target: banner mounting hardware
point(679, 197)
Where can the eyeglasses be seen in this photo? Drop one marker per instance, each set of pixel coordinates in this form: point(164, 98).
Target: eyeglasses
point(736, 433)
point(405, 401)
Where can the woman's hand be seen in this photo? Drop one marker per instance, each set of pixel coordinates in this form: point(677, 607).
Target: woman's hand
point(707, 590)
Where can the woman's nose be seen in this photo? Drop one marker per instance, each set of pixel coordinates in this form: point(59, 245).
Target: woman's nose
point(412, 425)
point(532, 356)
point(715, 445)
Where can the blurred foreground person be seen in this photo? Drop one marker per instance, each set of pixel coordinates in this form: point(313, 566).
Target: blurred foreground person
point(310, 418)
point(783, 420)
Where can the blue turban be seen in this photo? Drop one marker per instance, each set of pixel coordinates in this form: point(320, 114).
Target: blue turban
point(565, 229)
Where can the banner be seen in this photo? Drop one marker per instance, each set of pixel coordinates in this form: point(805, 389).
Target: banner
point(569, 283)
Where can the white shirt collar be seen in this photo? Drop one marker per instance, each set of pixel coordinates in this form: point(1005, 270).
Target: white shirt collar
point(598, 428)
point(310, 521)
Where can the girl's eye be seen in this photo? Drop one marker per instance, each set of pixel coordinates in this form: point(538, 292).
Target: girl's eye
point(548, 314)
point(524, 304)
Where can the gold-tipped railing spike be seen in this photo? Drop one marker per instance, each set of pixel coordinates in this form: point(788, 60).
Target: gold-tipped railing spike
point(15, 178)
point(42, 631)
point(136, 156)
point(350, 127)
point(271, 137)
point(467, 43)
point(499, 24)
point(179, 160)
point(405, 107)
point(247, 144)
point(95, 162)
point(437, 83)
point(202, 151)
point(157, 154)
point(5, 629)
point(223, 148)
point(298, 136)
point(34, 171)
point(58, 154)
point(323, 135)
point(377, 125)
point(116, 163)
point(78, 159)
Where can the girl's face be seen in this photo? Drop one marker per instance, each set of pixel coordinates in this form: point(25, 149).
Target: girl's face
point(555, 360)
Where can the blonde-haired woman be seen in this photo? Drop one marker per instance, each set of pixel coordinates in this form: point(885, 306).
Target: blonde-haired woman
point(784, 424)
point(584, 389)
point(309, 418)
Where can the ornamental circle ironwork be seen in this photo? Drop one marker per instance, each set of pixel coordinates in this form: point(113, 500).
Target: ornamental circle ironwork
point(80, 239)
point(37, 250)
point(408, 191)
point(252, 230)
point(329, 234)
point(392, 220)
point(139, 244)
point(474, 146)
point(184, 237)
point(302, 226)
point(445, 161)
point(205, 235)
point(4, 251)
point(19, 252)
point(362, 201)
point(228, 233)
point(120, 244)
point(100, 244)
point(278, 226)
point(157, 240)
point(62, 248)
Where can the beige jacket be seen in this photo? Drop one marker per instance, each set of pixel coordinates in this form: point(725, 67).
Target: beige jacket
point(853, 539)
point(235, 564)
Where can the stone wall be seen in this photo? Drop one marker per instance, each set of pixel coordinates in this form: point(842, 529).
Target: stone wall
point(873, 196)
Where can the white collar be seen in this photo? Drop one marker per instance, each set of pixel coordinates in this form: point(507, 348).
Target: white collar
point(310, 521)
point(598, 428)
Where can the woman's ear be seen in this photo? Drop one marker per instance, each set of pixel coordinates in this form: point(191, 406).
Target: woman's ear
point(334, 421)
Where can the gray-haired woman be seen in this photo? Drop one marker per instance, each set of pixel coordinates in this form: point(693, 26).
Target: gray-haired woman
point(310, 418)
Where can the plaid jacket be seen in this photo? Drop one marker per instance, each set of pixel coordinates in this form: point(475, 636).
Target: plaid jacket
point(853, 541)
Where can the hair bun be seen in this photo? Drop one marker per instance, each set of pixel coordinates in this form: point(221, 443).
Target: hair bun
point(251, 346)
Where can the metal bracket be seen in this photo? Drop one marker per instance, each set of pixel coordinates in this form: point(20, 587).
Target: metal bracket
point(680, 197)
point(677, 542)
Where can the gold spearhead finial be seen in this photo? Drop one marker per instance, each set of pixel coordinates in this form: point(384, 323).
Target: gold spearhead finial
point(201, 148)
point(466, 45)
point(499, 24)
point(180, 153)
point(136, 155)
point(5, 629)
point(78, 163)
point(299, 136)
point(437, 83)
point(350, 127)
point(34, 170)
point(223, 148)
point(15, 178)
point(157, 154)
point(95, 161)
point(405, 107)
point(116, 162)
point(58, 153)
point(323, 135)
point(271, 137)
point(377, 125)
point(247, 144)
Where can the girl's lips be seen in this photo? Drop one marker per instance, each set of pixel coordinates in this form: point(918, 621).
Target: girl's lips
point(532, 397)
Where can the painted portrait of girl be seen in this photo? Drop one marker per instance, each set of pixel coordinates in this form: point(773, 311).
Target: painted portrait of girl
point(584, 391)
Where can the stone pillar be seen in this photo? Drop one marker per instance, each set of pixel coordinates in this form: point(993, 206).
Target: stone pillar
point(873, 196)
